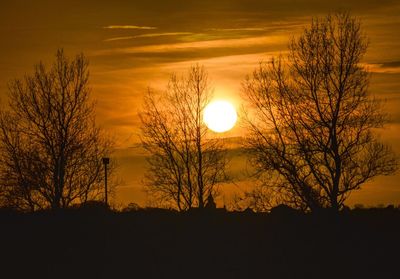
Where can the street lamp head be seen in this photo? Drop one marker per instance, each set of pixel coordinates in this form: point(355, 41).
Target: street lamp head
point(106, 160)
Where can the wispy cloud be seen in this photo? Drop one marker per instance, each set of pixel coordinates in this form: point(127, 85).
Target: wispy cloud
point(271, 26)
point(209, 44)
point(151, 35)
point(384, 67)
point(129, 27)
point(119, 39)
point(391, 64)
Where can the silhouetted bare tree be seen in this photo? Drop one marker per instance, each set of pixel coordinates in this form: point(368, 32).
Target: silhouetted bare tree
point(312, 128)
point(50, 146)
point(185, 165)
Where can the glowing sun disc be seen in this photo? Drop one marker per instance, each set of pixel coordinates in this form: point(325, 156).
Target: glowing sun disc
point(220, 116)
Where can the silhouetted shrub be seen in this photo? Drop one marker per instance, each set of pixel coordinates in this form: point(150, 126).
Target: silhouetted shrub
point(94, 206)
point(131, 207)
point(284, 211)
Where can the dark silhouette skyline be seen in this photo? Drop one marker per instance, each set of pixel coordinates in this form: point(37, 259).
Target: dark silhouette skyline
point(92, 242)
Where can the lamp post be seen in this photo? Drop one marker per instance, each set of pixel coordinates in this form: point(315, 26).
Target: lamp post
point(106, 161)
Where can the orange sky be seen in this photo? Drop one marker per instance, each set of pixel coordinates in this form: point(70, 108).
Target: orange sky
point(135, 44)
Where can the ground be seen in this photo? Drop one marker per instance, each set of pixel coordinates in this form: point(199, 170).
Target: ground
point(211, 244)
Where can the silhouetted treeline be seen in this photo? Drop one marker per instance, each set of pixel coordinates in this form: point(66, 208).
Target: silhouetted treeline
point(95, 242)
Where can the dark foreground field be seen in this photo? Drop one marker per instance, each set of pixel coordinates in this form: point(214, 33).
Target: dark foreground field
point(162, 244)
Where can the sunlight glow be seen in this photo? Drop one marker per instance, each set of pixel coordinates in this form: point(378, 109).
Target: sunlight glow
point(220, 116)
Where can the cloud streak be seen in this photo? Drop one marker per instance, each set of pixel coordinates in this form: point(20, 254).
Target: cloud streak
point(129, 27)
point(151, 35)
point(392, 67)
point(208, 44)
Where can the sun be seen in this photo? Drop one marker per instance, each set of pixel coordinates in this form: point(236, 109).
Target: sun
point(220, 116)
